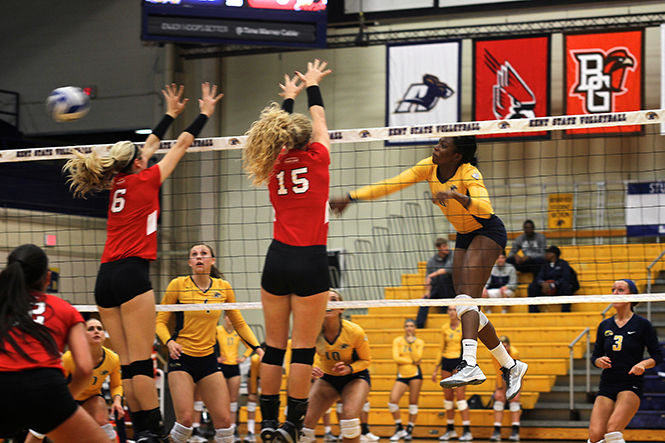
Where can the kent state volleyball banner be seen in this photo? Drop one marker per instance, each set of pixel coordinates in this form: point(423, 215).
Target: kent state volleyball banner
point(511, 80)
point(423, 84)
point(645, 209)
point(604, 73)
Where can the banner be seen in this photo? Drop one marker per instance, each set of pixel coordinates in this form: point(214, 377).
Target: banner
point(603, 74)
point(511, 79)
point(645, 209)
point(423, 84)
point(662, 74)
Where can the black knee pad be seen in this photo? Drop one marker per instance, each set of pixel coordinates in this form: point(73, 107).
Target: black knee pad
point(303, 356)
point(273, 356)
point(143, 367)
point(126, 372)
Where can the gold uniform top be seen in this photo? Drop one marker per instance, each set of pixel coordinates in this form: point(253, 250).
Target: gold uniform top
point(467, 180)
point(350, 346)
point(254, 374)
point(451, 342)
point(196, 331)
point(407, 356)
point(515, 354)
point(108, 367)
point(228, 346)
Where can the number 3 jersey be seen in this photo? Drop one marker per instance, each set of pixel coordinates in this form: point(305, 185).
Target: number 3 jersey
point(52, 312)
point(625, 346)
point(131, 229)
point(299, 195)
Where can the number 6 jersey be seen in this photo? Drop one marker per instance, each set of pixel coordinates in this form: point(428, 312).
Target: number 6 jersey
point(131, 228)
point(299, 195)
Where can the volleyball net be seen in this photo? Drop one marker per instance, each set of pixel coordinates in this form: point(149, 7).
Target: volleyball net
point(593, 184)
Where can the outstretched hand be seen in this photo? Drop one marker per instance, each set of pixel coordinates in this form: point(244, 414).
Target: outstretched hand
point(175, 104)
point(316, 70)
point(339, 204)
point(291, 87)
point(209, 98)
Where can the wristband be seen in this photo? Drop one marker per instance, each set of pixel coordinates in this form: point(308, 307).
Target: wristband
point(351, 368)
point(314, 96)
point(163, 126)
point(351, 199)
point(287, 105)
point(197, 125)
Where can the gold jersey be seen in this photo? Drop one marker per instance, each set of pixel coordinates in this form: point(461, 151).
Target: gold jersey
point(407, 356)
point(228, 346)
point(108, 367)
point(451, 342)
point(350, 346)
point(467, 180)
point(196, 331)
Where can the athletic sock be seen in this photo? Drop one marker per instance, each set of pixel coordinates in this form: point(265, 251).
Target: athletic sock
point(469, 350)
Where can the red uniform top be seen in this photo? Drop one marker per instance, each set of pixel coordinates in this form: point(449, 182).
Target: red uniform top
point(131, 229)
point(299, 195)
point(54, 313)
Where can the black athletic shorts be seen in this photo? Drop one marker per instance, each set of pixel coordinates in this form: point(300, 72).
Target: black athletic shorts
point(339, 381)
point(406, 380)
point(197, 367)
point(492, 227)
point(121, 280)
point(299, 270)
point(611, 388)
point(449, 364)
point(36, 399)
point(229, 371)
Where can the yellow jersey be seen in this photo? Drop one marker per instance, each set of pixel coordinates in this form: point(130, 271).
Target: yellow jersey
point(196, 331)
point(515, 354)
point(228, 346)
point(108, 367)
point(451, 342)
point(407, 356)
point(350, 346)
point(467, 180)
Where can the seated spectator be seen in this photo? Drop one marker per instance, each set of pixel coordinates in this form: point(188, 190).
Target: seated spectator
point(528, 251)
point(439, 279)
point(556, 277)
point(502, 282)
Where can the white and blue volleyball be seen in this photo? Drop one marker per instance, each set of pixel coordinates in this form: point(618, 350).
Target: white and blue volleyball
point(67, 104)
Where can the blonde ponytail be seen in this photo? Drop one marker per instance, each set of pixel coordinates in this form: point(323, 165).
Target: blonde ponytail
point(275, 129)
point(92, 173)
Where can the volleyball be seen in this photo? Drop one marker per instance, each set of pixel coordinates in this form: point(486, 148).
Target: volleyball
point(67, 104)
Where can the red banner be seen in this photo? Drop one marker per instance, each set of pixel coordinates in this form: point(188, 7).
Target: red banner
point(603, 74)
point(511, 80)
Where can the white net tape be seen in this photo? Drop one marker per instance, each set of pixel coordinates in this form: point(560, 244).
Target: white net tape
point(559, 299)
point(393, 134)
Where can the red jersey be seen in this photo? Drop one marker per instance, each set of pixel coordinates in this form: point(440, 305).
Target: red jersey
point(54, 313)
point(131, 229)
point(299, 195)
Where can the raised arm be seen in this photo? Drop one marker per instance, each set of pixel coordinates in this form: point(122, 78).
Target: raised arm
point(290, 90)
point(207, 102)
point(175, 104)
point(316, 70)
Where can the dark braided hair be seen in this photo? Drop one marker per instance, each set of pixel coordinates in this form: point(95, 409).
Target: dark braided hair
point(466, 146)
point(26, 270)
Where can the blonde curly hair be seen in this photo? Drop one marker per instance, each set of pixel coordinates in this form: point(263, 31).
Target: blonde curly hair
point(274, 130)
point(92, 173)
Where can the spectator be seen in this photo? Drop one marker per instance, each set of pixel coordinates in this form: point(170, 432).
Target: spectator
point(528, 251)
point(502, 282)
point(439, 279)
point(556, 277)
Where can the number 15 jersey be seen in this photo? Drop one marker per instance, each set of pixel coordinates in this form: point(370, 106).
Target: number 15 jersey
point(299, 195)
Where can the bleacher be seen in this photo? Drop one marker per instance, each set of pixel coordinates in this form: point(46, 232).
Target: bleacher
point(542, 340)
